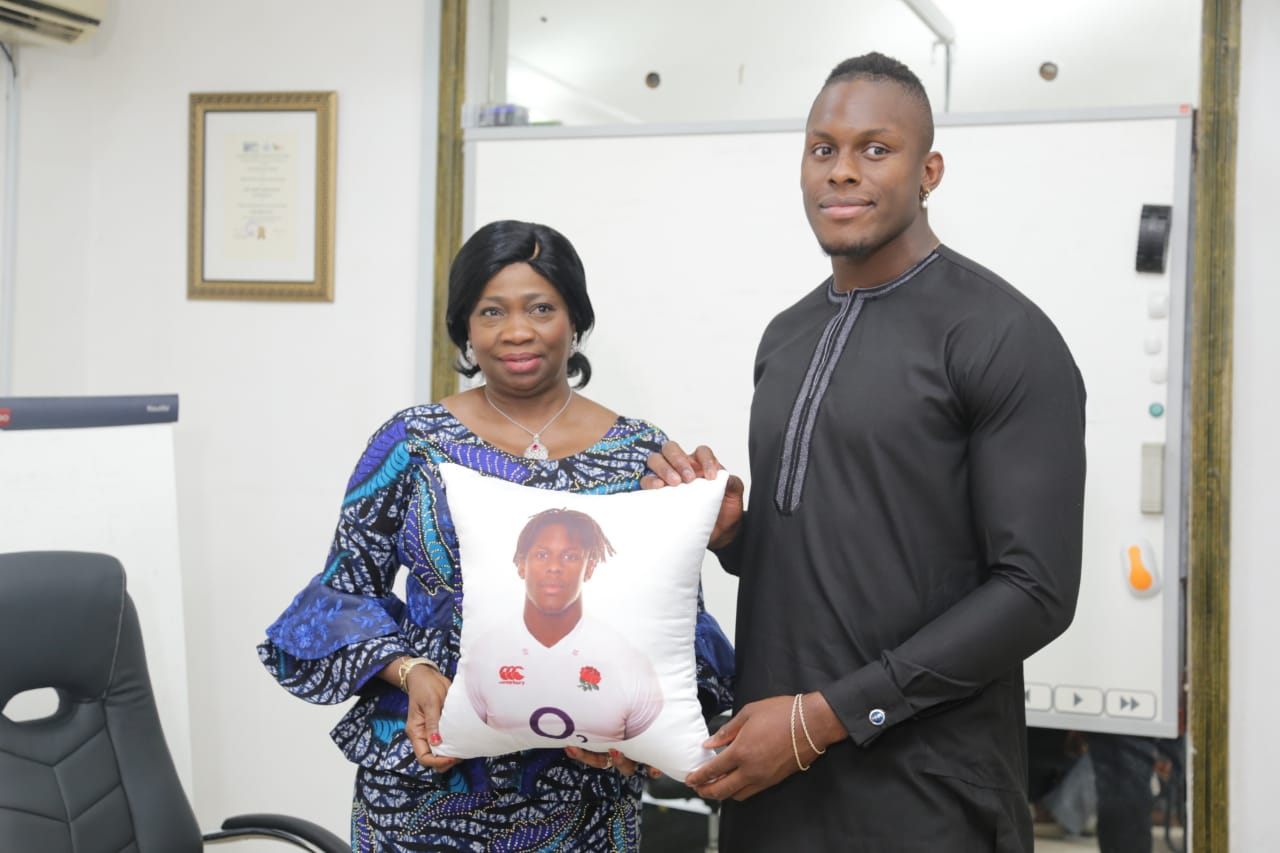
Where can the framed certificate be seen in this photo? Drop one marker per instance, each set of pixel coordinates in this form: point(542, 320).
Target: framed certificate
point(261, 196)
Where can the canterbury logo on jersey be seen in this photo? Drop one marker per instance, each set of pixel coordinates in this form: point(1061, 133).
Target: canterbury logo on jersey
point(511, 674)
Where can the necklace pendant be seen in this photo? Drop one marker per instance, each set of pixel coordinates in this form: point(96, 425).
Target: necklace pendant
point(536, 449)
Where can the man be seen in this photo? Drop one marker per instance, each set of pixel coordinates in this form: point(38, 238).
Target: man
point(518, 680)
point(914, 527)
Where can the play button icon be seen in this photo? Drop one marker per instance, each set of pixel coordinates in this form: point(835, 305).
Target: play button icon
point(1077, 700)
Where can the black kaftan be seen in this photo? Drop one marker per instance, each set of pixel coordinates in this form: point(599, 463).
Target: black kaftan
point(913, 534)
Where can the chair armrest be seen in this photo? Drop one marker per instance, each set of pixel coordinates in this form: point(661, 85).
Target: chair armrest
point(664, 787)
point(293, 830)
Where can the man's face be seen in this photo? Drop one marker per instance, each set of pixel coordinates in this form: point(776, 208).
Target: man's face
point(863, 167)
point(554, 570)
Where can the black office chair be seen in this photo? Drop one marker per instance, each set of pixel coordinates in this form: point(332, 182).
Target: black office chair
point(95, 776)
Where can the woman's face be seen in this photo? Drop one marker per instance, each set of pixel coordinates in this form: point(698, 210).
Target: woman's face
point(521, 331)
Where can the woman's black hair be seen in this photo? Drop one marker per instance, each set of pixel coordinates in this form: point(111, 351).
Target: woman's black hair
point(495, 247)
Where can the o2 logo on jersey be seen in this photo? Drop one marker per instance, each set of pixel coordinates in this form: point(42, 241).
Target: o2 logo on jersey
point(511, 674)
point(553, 723)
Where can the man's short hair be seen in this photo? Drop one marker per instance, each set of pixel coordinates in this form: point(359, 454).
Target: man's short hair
point(878, 67)
point(582, 528)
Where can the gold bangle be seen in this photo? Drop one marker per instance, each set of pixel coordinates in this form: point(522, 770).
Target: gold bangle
point(407, 664)
point(795, 749)
point(805, 726)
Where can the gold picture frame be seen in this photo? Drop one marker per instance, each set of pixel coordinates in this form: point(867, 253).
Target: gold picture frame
point(260, 220)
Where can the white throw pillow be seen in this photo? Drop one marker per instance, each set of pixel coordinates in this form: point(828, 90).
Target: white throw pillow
point(623, 676)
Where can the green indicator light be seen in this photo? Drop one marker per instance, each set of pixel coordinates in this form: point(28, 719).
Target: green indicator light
point(1156, 409)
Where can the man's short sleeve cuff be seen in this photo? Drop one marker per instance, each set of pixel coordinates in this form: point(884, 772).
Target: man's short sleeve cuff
point(868, 703)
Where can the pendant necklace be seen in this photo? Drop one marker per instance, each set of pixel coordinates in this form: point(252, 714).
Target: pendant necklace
point(536, 449)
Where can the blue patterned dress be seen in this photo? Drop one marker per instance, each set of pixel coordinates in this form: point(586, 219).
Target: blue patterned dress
point(348, 624)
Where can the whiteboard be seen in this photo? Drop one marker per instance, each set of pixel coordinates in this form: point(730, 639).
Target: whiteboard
point(693, 237)
point(110, 490)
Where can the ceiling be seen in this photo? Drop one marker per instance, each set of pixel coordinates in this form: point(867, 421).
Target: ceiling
point(586, 61)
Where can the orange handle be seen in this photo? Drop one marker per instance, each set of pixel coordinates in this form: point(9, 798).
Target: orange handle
point(1140, 578)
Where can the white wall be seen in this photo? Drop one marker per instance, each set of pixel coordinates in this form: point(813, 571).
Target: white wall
point(276, 399)
point(1255, 468)
point(8, 105)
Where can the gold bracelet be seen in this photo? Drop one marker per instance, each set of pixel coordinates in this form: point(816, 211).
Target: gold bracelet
point(805, 726)
point(795, 749)
point(407, 664)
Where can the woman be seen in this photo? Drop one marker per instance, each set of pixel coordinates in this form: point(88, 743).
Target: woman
point(517, 310)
